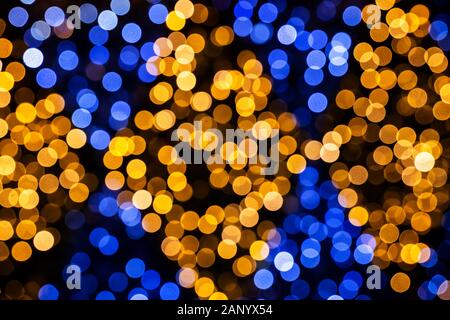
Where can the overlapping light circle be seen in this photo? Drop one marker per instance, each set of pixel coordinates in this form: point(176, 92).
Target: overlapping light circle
point(117, 96)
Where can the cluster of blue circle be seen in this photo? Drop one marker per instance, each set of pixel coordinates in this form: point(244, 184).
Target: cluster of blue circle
point(290, 255)
point(348, 245)
point(435, 267)
point(135, 281)
point(70, 65)
point(131, 57)
point(439, 31)
point(292, 41)
point(304, 236)
point(321, 51)
point(150, 284)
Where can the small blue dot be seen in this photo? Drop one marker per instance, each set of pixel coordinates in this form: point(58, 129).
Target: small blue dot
point(120, 7)
point(48, 292)
point(352, 16)
point(54, 16)
point(147, 50)
point(108, 206)
point(243, 9)
point(169, 291)
point(87, 99)
point(96, 235)
point(18, 16)
point(310, 199)
point(98, 36)
point(158, 13)
point(135, 268)
point(263, 279)
point(81, 118)
point(317, 102)
point(313, 77)
point(363, 254)
point(301, 43)
point(99, 139)
point(150, 280)
point(46, 78)
point(105, 295)
point(108, 245)
point(112, 81)
point(68, 60)
point(107, 20)
point(338, 71)
point(131, 33)
point(99, 55)
point(268, 12)
point(88, 13)
point(40, 30)
point(316, 59)
point(438, 30)
point(243, 26)
point(287, 34)
point(341, 39)
point(317, 39)
point(130, 216)
point(327, 288)
point(129, 56)
point(120, 111)
point(292, 274)
point(261, 33)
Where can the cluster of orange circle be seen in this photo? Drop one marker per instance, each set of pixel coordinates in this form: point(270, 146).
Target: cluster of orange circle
point(40, 175)
point(156, 179)
point(400, 154)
